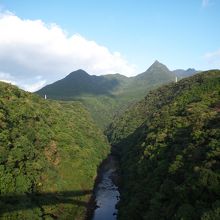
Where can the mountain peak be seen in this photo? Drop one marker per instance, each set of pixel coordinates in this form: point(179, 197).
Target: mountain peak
point(78, 72)
point(191, 69)
point(157, 72)
point(156, 62)
point(78, 75)
point(157, 65)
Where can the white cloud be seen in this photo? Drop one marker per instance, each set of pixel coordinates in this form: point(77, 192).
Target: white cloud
point(205, 3)
point(213, 58)
point(6, 77)
point(30, 49)
point(34, 86)
point(214, 54)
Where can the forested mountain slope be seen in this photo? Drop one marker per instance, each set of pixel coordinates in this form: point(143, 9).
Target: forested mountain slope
point(107, 95)
point(79, 83)
point(157, 74)
point(170, 152)
point(49, 154)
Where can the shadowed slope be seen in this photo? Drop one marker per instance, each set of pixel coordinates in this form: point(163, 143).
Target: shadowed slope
point(79, 83)
point(169, 149)
point(20, 202)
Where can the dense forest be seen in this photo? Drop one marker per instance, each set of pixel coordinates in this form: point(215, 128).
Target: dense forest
point(168, 145)
point(49, 155)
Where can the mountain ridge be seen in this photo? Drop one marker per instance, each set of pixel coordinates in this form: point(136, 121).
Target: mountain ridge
point(76, 83)
point(107, 95)
point(185, 73)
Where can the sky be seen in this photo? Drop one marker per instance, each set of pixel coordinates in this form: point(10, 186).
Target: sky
point(43, 41)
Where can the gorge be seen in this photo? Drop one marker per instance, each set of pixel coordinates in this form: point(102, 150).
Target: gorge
point(165, 149)
point(106, 192)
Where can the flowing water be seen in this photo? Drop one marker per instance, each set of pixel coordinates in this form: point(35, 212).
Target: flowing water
point(106, 193)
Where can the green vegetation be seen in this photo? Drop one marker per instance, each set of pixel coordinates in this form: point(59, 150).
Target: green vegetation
point(49, 154)
point(170, 153)
point(108, 95)
point(168, 145)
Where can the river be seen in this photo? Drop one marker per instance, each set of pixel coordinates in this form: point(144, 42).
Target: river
point(106, 192)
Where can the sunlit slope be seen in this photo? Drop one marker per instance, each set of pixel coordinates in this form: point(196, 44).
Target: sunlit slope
point(49, 154)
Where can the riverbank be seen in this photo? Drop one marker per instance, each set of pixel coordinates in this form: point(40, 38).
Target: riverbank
point(102, 204)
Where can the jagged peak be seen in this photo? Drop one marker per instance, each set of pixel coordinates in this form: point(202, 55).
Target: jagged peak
point(157, 65)
point(156, 62)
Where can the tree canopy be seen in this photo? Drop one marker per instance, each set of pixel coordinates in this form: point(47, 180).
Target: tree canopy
point(169, 149)
point(49, 155)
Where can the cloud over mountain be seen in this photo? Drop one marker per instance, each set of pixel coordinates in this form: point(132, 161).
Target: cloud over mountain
point(35, 53)
point(213, 58)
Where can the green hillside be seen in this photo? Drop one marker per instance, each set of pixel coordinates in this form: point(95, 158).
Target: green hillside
point(169, 149)
point(108, 95)
point(49, 154)
point(156, 75)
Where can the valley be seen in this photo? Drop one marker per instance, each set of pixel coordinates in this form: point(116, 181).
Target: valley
point(164, 139)
point(106, 192)
point(109, 110)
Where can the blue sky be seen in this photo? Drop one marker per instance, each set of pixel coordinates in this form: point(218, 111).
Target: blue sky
point(178, 33)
